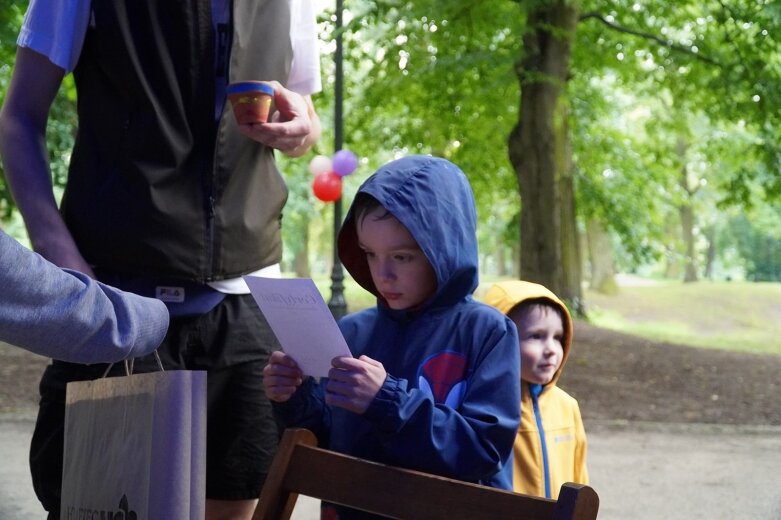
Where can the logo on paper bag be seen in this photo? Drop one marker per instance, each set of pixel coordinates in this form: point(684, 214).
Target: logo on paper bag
point(124, 513)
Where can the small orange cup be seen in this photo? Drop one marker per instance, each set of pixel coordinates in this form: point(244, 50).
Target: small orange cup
point(251, 101)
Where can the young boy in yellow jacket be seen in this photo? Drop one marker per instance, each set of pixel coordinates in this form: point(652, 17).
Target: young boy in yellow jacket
point(550, 446)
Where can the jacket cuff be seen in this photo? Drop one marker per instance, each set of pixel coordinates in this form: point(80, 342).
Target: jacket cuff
point(384, 410)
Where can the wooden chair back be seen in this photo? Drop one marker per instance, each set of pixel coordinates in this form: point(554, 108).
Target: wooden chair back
point(300, 467)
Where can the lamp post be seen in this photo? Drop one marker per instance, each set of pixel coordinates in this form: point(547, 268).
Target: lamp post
point(337, 303)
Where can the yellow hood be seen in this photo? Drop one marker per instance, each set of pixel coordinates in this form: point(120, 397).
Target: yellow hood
point(506, 295)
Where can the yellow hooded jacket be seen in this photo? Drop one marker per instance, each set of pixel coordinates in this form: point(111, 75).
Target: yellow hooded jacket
point(550, 446)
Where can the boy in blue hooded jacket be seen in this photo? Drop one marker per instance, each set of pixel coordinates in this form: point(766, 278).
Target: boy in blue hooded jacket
point(434, 382)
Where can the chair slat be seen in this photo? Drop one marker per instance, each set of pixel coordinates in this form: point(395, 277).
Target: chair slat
point(300, 467)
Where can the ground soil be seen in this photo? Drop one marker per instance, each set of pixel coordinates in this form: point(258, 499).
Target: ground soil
point(615, 377)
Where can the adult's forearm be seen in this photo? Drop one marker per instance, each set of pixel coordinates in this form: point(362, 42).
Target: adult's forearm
point(66, 315)
point(27, 173)
point(23, 119)
point(28, 176)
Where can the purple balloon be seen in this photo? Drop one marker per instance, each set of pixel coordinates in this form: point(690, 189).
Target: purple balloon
point(344, 162)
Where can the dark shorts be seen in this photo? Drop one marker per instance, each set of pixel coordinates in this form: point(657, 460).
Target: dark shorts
point(233, 343)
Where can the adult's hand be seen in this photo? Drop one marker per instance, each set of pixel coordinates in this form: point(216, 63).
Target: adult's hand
point(292, 128)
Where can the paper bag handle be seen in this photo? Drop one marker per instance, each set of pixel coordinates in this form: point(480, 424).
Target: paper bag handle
point(129, 365)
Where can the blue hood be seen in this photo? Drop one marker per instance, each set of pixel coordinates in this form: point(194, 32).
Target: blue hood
point(433, 199)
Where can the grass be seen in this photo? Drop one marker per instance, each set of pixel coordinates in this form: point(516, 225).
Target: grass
point(734, 316)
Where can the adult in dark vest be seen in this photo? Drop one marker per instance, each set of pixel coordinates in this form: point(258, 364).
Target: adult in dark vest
point(166, 195)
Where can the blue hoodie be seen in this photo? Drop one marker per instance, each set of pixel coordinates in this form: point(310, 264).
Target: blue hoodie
point(450, 402)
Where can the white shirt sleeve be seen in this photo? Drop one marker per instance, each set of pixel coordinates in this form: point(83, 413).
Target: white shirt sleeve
point(56, 29)
point(304, 76)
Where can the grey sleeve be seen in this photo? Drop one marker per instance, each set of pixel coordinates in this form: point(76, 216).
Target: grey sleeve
point(66, 315)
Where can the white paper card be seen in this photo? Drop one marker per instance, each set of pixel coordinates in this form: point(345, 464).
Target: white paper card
point(301, 321)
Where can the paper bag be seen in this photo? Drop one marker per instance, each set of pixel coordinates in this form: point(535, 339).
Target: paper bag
point(135, 447)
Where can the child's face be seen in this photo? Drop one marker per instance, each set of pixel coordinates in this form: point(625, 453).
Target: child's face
point(541, 333)
point(399, 269)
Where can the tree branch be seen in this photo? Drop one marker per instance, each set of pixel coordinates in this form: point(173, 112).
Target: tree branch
point(648, 36)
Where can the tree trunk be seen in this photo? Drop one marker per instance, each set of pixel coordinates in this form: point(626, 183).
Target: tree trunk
point(672, 246)
point(710, 253)
point(571, 288)
point(532, 144)
point(686, 211)
point(687, 227)
point(603, 273)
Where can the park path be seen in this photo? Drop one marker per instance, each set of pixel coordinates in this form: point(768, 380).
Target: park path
point(640, 471)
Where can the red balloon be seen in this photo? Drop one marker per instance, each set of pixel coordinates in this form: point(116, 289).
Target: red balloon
point(327, 186)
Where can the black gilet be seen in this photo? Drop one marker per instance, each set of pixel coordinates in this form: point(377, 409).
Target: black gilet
point(156, 186)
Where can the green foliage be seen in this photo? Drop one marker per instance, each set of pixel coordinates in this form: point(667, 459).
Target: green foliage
point(649, 76)
point(440, 77)
point(759, 242)
point(61, 131)
point(436, 78)
point(720, 59)
point(427, 77)
point(614, 169)
point(300, 209)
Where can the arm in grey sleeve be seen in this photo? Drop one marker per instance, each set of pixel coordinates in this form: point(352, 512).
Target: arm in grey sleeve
point(67, 315)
